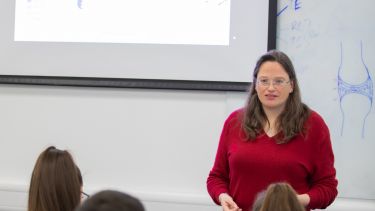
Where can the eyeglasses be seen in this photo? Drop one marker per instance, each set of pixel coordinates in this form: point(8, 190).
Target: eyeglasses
point(84, 195)
point(277, 82)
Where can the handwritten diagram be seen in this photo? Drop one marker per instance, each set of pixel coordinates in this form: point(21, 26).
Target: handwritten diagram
point(295, 5)
point(344, 88)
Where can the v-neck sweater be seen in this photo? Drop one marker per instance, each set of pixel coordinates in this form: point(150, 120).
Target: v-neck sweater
point(244, 168)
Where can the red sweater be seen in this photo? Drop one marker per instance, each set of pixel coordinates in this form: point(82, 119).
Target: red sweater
point(242, 169)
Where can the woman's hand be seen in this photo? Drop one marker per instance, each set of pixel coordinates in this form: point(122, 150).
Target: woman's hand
point(304, 199)
point(227, 203)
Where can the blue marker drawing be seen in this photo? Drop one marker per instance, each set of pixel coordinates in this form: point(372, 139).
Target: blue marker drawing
point(79, 4)
point(282, 10)
point(365, 88)
point(297, 4)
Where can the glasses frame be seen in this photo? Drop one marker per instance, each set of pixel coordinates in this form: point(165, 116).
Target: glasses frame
point(276, 82)
point(84, 195)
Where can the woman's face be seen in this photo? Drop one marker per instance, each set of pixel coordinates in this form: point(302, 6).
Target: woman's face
point(273, 86)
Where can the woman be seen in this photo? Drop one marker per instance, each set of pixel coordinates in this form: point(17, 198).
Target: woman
point(274, 138)
point(280, 197)
point(56, 182)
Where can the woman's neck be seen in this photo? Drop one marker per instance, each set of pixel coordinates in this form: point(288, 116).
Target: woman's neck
point(272, 114)
point(270, 127)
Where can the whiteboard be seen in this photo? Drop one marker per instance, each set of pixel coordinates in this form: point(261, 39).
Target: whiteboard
point(331, 43)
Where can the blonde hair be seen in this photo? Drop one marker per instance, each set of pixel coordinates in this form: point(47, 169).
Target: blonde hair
point(281, 197)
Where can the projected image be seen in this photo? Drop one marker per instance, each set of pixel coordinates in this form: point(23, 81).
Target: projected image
point(199, 22)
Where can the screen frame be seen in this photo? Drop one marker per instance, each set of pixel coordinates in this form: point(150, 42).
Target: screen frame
point(146, 83)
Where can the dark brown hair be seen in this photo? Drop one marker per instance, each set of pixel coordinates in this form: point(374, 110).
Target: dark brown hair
point(281, 197)
point(291, 120)
point(55, 182)
point(111, 200)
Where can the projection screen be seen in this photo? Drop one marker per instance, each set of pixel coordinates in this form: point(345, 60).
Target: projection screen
point(172, 44)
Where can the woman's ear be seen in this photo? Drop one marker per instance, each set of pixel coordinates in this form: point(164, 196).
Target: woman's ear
point(291, 86)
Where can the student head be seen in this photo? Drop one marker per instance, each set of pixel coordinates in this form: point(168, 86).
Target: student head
point(110, 200)
point(281, 197)
point(274, 88)
point(258, 201)
point(56, 182)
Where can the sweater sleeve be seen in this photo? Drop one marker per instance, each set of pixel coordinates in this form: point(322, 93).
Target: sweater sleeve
point(218, 178)
point(323, 189)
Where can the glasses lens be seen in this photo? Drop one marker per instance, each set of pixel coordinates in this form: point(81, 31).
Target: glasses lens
point(275, 82)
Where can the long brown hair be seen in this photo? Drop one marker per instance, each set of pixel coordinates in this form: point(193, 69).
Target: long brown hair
point(281, 197)
point(291, 120)
point(55, 182)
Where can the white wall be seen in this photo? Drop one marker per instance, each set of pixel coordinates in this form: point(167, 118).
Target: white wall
point(156, 144)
